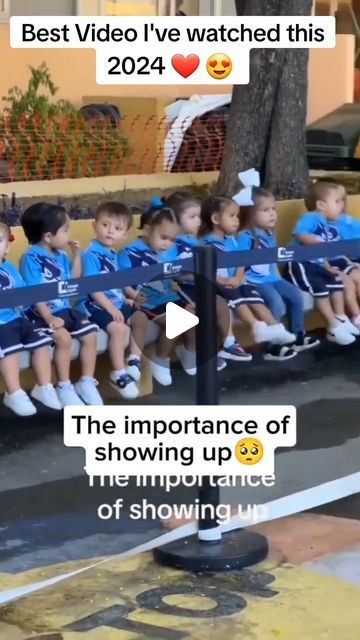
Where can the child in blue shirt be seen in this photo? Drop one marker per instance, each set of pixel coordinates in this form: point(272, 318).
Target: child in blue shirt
point(323, 278)
point(219, 225)
point(47, 229)
point(157, 244)
point(188, 209)
point(16, 335)
point(110, 309)
point(257, 222)
point(346, 227)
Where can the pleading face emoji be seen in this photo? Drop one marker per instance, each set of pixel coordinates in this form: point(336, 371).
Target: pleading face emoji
point(249, 451)
point(219, 66)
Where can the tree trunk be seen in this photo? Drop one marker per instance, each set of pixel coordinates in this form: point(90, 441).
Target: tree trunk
point(266, 127)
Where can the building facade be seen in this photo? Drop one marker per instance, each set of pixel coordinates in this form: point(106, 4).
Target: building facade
point(73, 70)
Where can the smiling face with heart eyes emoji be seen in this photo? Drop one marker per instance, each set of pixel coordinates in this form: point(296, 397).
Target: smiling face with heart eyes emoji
point(219, 66)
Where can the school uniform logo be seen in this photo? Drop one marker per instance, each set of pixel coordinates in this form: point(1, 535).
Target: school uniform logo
point(50, 271)
point(106, 264)
point(6, 282)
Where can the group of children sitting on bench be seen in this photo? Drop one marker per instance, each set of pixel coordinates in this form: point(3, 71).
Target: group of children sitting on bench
point(259, 295)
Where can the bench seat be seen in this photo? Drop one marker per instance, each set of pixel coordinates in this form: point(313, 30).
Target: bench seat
point(153, 333)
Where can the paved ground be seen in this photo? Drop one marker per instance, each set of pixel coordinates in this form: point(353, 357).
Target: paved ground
point(48, 517)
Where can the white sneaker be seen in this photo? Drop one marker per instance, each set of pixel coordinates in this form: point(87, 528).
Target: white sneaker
point(280, 335)
point(133, 368)
point(345, 323)
point(160, 369)
point(47, 395)
point(87, 391)
point(187, 359)
point(340, 336)
point(261, 332)
point(68, 396)
point(125, 386)
point(276, 333)
point(20, 403)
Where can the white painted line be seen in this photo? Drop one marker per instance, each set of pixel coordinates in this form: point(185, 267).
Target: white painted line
point(280, 508)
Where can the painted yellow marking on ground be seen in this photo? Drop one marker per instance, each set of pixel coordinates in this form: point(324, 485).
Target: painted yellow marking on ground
point(137, 600)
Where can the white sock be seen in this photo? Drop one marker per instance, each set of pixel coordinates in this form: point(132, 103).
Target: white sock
point(86, 379)
point(133, 357)
point(63, 383)
point(118, 373)
point(229, 341)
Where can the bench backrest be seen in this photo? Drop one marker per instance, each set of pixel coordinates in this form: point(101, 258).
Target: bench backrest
point(288, 212)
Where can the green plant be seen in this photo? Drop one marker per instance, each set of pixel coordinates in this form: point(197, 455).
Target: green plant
point(45, 139)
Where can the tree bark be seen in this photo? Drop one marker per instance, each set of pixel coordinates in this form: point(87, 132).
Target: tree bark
point(267, 120)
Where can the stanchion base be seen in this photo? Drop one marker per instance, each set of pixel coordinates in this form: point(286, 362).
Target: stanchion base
point(235, 550)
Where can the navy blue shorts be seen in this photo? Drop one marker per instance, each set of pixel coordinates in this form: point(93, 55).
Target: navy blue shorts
point(156, 312)
point(75, 322)
point(343, 264)
point(189, 291)
point(20, 335)
point(245, 294)
point(103, 318)
point(313, 278)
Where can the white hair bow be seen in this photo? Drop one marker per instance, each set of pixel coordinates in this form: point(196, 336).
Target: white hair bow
point(250, 179)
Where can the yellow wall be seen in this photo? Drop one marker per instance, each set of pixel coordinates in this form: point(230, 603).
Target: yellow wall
point(73, 71)
point(288, 212)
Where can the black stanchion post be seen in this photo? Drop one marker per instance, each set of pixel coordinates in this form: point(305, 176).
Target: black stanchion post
point(209, 550)
point(207, 385)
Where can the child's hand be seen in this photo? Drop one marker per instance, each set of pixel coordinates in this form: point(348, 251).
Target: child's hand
point(55, 322)
point(333, 270)
point(232, 283)
point(140, 298)
point(75, 247)
point(175, 286)
point(117, 316)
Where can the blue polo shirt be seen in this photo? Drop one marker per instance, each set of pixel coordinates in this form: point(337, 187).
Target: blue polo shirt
point(222, 244)
point(316, 224)
point(139, 254)
point(9, 279)
point(258, 239)
point(39, 265)
point(347, 227)
point(185, 246)
point(97, 259)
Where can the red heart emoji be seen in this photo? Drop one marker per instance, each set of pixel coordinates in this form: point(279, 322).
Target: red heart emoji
point(185, 66)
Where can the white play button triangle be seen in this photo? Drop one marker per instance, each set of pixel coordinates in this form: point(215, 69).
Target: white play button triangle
point(178, 320)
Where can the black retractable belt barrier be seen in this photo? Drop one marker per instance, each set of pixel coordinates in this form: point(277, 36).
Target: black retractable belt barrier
point(210, 550)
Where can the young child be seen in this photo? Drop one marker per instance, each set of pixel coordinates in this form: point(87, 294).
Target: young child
point(47, 228)
point(17, 335)
point(188, 209)
point(257, 224)
point(159, 230)
point(109, 309)
point(219, 225)
point(345, 227)
point(319, 277)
